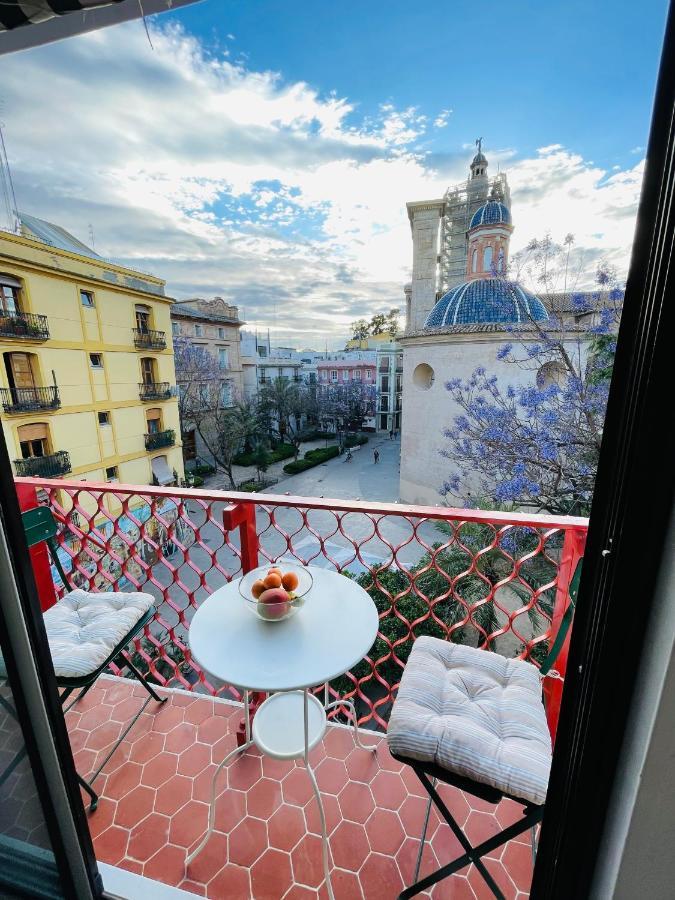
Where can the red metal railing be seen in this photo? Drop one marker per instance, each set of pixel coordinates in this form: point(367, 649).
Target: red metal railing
point(494, 580)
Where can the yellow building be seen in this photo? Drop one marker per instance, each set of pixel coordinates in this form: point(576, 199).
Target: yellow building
point(87, 379)
point(372, 342)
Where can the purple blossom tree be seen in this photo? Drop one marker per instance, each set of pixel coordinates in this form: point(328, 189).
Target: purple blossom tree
point(536, 443)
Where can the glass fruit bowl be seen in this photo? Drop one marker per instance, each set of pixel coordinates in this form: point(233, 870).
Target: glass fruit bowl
point(276, 591)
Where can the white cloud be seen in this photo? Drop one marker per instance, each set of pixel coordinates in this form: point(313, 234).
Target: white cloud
point(441, 119)
point(229, 181)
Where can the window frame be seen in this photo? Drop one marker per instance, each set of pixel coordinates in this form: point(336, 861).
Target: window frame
point(84, 292)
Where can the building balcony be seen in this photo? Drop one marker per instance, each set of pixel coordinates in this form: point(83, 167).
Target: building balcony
point(53, 465)
point(515, 574)
point(147, 339)
point(24, 400)
point(154, 390)
point(24, 326)
point(157, 439)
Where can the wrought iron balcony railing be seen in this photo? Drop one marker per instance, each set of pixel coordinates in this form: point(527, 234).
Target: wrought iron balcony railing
point(154, 390)
point(494, 580)
point(147, 339)
point(52, 465)
point(24, 326)
point(22, 400)
point(157, 439)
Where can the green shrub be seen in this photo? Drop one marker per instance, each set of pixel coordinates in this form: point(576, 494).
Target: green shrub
point(204, 469)
point(356, 440)
point(283, 451)
point(299, 465)
point(196, 481)
point(321, 454)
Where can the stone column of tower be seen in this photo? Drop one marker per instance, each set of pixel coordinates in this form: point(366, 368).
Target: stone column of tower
point(425, 221)
point(461, 203)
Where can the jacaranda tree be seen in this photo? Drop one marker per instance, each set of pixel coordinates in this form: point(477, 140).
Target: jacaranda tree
point(536, 443)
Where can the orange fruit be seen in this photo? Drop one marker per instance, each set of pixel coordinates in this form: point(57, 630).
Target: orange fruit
point(290, 581)
point(257, 588)
point(273, 580)
point(275, 571)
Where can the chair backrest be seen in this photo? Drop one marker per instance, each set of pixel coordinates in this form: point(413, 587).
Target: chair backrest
point(39, 526)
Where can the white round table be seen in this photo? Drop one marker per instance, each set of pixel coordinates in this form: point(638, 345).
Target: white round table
point(330, 633)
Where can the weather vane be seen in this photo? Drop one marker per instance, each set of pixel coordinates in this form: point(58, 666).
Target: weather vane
point(479, 144)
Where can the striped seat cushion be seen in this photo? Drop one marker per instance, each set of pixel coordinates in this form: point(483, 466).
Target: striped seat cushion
point(475, 714)
point(83, 629)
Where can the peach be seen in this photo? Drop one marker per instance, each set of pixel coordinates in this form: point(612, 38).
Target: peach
point(274, 571)
point(290, 581)
point(257, 588)
point(273, 603)
point(273, 580)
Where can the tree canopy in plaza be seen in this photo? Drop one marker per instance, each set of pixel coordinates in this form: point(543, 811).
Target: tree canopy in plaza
point(536, 443)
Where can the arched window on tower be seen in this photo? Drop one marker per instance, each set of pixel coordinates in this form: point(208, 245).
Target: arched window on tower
point(474, 261)
point(487, 259)
point(500, 260)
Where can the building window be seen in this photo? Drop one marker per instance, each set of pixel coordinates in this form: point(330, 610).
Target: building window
point(368, 374)
point(175, 328)
point(199, 331)
point(423, 376)
point(221, 334)
point(385, 384)
point(154, 420)
point(262, 351)
point(333, 375)
point(487, 259)
point(87, 299)
point(500, 260)
point(142, 318)
point(111, 474)
point(474, 261)
point(10, 289)
point(223, 359)
point(226, 394)
point(204, 394)
point(104, 418)
point(96, 360)
point(357, 374)
point(148, 370)
point(33, 440)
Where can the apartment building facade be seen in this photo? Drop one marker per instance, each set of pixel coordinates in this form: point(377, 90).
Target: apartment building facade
point(87, 380)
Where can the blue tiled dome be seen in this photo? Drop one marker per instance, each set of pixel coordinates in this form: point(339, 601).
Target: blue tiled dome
point(491, 213)
point(485, 300)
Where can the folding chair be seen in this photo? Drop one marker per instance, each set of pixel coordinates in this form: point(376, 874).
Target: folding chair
point(475, 721)
point(86, 633)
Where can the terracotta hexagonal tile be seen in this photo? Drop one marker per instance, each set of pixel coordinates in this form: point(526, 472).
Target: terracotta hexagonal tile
point(299, 892)
point(331, 775)
point(339, 741)
point(189, 824)
point(116, 691)
point(412, 814)
point(388, 790)
point(286, 827)
point(134, 807)
point(445, 844)
point(331, 809)
point(103, 735)
point(167, 718)
point(356, 801)
point(146, 748)
point(247, 841)
point(517, 860)
point(174, 793)
point(349, 846)
point(380, 878)
point(148, 837)
point(456, 802)
point(406, 859)
point(307, 861)
point(211, 729)
point(508, 812)
point(346, 886)
point(458, 888)
point(199, 711)
point(125, 710)
point(181, 737)
point(500, 875)
point(244, 771)
point(194, 760)
point(362, 765)
point(95, 716)
point(271, 875)
point(167, 865)
point(296, 787)
point(231, 882)
point(201, 784)
point(105, 814)
point(111, 845)
point(210, 861)
point(385, 832)
point(480, 826)
point(123, 780)
point(159, 769)
point(276, 768)
point(230, 810)
point(263, 798)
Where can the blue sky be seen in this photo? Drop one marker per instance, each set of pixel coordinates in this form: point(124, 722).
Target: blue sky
point(265, 151)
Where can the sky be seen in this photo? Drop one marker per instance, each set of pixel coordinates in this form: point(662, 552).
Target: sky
point(264, 151)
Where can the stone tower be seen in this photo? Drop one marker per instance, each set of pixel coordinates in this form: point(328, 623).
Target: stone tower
point(440, 237)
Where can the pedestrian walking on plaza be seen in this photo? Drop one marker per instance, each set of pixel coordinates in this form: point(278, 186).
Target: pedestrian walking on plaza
point(391, 435)
point(376, 454)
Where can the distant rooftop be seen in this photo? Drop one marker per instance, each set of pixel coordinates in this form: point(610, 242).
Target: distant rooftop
point(54, 235)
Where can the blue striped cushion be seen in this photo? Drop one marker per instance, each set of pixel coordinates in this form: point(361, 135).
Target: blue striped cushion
point(83, 629)
point(476, 714)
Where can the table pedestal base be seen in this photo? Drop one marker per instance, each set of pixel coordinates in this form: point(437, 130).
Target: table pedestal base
point(278, 733)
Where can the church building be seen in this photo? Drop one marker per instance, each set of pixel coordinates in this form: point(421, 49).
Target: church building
point(459, 309)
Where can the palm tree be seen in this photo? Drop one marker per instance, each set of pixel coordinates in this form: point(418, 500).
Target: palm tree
point(284, 404)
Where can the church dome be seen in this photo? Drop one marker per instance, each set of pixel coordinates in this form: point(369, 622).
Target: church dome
point(479, 158)
point(494, 212)
point(485, 300)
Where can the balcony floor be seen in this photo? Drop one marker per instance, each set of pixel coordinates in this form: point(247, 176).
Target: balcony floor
point(154, 794)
